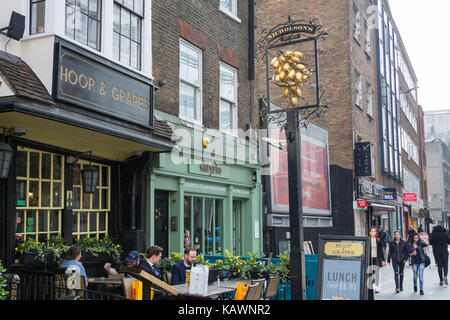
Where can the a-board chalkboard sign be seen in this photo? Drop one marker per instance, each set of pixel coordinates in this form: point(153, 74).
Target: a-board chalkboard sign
point(342, 268)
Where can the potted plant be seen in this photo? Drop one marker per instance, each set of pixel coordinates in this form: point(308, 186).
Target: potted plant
point(164, 266)
point(99, 250)
point(31, 252)
point(282, 268)
point(254, 269)
point(233, 263)
point(3, 292)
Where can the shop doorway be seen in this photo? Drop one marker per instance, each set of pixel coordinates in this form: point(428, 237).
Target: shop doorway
point(162, 219)
point(237, 227)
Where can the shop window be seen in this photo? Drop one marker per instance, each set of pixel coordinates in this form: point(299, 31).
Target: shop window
point(83, 22)
point(190, 82)
point(203, 223)
point(228, 98)
point(37, 16)
point(91, 212)
point(127, 41)
point(39, 191)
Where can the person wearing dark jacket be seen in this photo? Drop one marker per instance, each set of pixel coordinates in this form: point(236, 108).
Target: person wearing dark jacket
point(398, 253)
point(376, 261)
point(180, 268)
point(440, 241)
point(154, 255)
point(418, 260)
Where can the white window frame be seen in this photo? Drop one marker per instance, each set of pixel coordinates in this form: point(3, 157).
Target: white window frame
point(55, 26)
point(233, 14)
point(199, 87)
point(369, 99)
point(358, 89)
point(356, 23)
point(234, 119)
point(367, 39)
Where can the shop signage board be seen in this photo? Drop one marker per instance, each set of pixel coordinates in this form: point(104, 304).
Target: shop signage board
point(361, 204)
point(315, 172)
point(424, 213)
point(342, 268)
point(91, 82)
point(390, 194)
point(409, 197)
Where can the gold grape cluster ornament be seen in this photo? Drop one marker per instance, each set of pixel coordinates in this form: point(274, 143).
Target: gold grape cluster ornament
point(290, 74)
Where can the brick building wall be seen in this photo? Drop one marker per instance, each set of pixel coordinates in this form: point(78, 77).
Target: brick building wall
point(220, 38)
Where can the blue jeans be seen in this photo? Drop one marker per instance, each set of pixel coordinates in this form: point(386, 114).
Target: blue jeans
point(418, 273)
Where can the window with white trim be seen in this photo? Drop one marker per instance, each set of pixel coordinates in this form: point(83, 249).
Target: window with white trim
point(37, 16)
point(358, 89)
point(229, 5)
point(228, 98)
point(127, 35)
point(356, 23)
point(190, 82)
point(367, 42)
point(83, 22)
point(369, 99)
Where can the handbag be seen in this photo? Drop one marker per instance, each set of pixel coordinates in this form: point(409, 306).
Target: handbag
point(427, 260)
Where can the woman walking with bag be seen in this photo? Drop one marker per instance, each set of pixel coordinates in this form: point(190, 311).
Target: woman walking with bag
point(440, 241)
point(418, 259)
point(398, 253)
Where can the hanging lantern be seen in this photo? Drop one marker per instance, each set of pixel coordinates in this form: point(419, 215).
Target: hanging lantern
point(6, 154)
point(89, 178)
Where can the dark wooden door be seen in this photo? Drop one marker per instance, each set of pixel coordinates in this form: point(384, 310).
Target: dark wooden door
point(162, 220)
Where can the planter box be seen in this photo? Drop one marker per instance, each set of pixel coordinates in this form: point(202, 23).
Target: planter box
point(29, 258)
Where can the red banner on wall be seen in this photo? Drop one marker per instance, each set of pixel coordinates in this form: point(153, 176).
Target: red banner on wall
point(315, 179)
point(409, 197)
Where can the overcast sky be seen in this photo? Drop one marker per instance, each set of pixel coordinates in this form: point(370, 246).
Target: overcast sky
point(425, 29)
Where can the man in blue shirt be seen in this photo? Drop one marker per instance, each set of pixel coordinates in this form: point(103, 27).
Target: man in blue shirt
point(73, 259)
point(179, 269)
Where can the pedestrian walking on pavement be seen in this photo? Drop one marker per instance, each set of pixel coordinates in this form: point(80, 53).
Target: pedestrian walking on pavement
point(440, 241)
point(418, 260)
point(376, 261)
point(385, 239)
point(398, 253)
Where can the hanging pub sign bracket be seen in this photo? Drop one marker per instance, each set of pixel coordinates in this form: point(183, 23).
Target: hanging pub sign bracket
point(283, 35)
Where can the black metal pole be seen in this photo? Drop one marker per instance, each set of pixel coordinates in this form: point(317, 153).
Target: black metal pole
point(297, 254)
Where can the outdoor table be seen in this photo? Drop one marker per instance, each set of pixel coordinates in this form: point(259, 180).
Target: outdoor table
point(221, 291)
point(102, 280)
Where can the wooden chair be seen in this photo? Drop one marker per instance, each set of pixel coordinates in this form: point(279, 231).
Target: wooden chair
point(261, 283)
point(272, 288)
point(127, 283)
point(253, 292)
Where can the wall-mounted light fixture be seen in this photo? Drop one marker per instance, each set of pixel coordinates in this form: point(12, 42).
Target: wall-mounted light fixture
point(16, 27)
point(6, 153)
point(89, 178)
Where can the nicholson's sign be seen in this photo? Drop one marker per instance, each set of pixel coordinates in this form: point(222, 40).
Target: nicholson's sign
point(294, 29)
point(96, 84)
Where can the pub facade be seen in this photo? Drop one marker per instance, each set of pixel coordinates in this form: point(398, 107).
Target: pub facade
point(76, 107)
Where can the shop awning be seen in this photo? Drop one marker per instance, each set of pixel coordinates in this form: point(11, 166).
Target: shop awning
point(381, 207)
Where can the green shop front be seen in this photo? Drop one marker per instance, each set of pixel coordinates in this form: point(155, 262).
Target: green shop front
point(206, 194)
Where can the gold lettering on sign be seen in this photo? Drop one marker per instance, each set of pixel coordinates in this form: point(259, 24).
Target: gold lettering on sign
point(344, 249)
point(85, 81)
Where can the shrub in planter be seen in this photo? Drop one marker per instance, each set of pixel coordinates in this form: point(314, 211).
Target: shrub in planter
point(233, 263)
point(31, 252)
point(99, 250)
point(254, 269)
point(3, 292)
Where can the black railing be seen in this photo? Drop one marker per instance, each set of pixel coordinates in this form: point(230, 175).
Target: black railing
point(39, 285)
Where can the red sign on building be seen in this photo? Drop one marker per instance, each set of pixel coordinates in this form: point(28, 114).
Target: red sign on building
point(362, 204)
point(410, 197)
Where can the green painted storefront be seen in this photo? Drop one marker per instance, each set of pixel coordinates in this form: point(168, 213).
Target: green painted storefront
point(214, 193)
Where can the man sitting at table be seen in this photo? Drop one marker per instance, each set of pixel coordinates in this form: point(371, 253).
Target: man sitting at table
point(179, 269)
point(154, 254)
point(133, 259)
